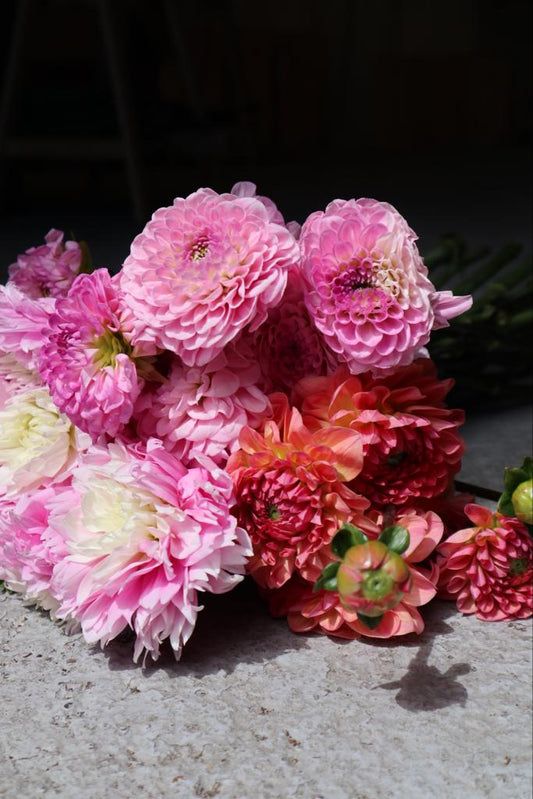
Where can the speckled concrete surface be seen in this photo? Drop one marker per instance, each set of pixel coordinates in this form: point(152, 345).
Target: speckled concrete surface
point(255, 711)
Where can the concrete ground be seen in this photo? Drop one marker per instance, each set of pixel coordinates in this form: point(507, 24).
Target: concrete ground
point(253, 710)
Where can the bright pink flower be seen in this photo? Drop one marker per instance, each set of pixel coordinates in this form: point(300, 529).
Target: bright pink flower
point(204, 269)
point(26, 557)
point(291, 492)
point(144, 536)
point(488, 568)
point(87, 361)
point(288, 346)
point(202, 409)
point(23, 325)
point(367, 287)
point(410, 442)
point(323, 611)
point(48, 270)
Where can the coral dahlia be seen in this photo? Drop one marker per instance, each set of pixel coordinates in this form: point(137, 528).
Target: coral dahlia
point(410, 441)
point(291, 493)
point(367, 288)
point(87, 361)
point(488, 568)
point(202, 270)
point(144, 536)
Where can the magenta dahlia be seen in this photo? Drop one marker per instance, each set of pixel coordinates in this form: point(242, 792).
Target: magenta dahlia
point(204, 269)
point(48, 270)
point(367, 288)
point(87, 360)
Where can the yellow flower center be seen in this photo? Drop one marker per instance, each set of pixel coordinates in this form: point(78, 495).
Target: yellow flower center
point(108, 346)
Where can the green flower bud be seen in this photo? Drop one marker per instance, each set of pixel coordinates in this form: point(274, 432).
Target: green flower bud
point(522, 500)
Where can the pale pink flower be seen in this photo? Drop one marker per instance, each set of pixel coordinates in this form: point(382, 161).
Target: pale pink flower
point(202, 409)
point(288, 346)
point(245, 188)
point(322, 611)
point(87, 360)
point(204, 269)
point(488, 568)
point(38, 444)
point(14, 377)
point(23, 325)
point(48, 270)
point(410, 441)
point(26, 557)
point(291, 492)
point(367, 288)
point(144, 537)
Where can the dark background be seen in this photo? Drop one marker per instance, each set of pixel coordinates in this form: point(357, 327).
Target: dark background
point(114, 108)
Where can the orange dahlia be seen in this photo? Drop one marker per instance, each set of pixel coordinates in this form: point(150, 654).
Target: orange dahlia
point(411, 447)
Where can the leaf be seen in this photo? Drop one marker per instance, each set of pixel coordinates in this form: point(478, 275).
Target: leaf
point(369, 621)
point(328, 579)
point(347, 537)
point(395, 538)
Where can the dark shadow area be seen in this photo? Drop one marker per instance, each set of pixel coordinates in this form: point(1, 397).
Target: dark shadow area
point(232, 628)
point(425, 105)
point(424, 687)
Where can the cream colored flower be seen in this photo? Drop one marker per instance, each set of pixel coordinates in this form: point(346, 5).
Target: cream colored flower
point(36, 441)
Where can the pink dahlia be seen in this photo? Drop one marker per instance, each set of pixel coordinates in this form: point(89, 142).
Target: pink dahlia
point(411, 446)
point(488, 568)
point(288, 346)
point(202, 409)
point(245, 188)
point(87, 360)
point(48, 270)
point(204, 269)
point(26, 557)
point(367, 288)
point(14, 377)
point(144, 537)
point(23, 325)
point(324, 612)
point(291, 493)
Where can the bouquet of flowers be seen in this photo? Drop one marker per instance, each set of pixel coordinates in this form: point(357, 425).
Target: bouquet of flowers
point(245, 396)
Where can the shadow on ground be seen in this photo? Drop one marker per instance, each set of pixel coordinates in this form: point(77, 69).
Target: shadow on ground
point(232, 629)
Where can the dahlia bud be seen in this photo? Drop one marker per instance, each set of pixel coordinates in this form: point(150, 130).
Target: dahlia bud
point(522, 500)
point(517, 497)
point(372, 579)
